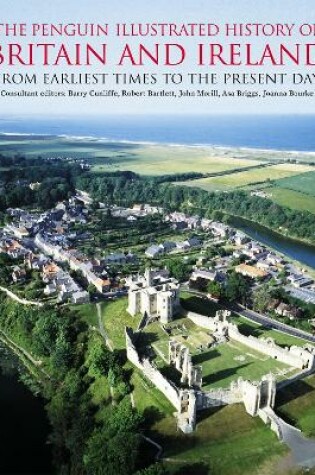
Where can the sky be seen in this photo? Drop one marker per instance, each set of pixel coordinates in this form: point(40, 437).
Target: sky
point(162, 11)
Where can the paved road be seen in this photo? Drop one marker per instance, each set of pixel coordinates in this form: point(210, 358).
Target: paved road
point(262, 319)
point(270, 323)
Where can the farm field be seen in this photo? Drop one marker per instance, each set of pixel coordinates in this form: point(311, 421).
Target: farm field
point(292, 199)
point(304, 183)
point(249, 177)
point(164, 159)
point(140, 158)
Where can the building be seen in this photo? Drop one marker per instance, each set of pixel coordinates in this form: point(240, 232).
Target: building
point(154, 294)
point(154, 251)
point(250, 271)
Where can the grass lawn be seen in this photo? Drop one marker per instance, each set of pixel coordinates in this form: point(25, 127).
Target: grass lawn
point(242, 179)
point(227, 441)
point(87, 312)
point(115, 319)
point(296, 403)
point(146, 396)
point(229, 361)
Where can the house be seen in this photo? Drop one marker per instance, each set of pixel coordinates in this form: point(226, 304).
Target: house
point(203, 274)
point(154, 251)
point(18, 274)
point(102, 285)
point(50, 271)
point(116, 258)
point(290, 311)
point(250, 271)
point(34, 186)
point(168, 246)
point(194, 242)
point(80, 297)
point(182, 245)
point(50, 289)
point(240, 239)
point(138, 207)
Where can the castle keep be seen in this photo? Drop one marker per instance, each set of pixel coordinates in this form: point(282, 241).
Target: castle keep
point(155, 295)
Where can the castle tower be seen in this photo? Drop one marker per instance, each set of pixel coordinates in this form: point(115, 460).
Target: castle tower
point(187, 411)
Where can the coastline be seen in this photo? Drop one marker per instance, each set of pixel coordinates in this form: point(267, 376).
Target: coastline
point(211, 146)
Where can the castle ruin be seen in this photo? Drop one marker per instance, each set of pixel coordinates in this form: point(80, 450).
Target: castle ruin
point(154, 294)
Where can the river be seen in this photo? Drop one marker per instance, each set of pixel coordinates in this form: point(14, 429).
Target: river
point(297, 250)
point(24, 427)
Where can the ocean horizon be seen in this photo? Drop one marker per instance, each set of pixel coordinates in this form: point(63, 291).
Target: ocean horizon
point(287, 133)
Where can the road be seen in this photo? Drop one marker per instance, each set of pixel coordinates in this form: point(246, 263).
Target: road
point(270, 323)
point(262, 319)
point(303, 449)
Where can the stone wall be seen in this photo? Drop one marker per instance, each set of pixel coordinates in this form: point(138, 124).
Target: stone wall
point(294, 356)
point(150, 371)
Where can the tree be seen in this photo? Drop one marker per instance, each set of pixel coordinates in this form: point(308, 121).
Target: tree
point(261, 298)
point(236, 288)
point(178, 269)
point(99, 359)
point(155, 469)
point(214, 289)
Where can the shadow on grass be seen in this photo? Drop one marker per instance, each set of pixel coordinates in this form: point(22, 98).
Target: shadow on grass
point(292, 392)
point(152, 415)
point(193, 469)
point(249, 330)
point(199, 305)
point(144, 342)
point(209, 355)
point(205, 414)
point(221, 375)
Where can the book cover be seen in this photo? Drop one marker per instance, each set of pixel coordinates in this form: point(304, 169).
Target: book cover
point(157, 237)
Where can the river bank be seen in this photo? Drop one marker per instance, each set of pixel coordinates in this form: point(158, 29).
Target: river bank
point(297, 251)
point(24, 424)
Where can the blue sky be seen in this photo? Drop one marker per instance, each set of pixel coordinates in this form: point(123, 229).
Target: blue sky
point(136, 11)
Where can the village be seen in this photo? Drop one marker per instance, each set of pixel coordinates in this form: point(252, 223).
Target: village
point(51, 245)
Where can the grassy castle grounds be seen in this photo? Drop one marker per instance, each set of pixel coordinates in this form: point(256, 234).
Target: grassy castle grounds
point(248, 447)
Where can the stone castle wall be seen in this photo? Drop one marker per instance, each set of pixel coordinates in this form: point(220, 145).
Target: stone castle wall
point(294, 356)
point(152, 373)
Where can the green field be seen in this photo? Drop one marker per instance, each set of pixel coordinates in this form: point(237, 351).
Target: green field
point(143, 159)
point(227, 441)
point(303, 183)
point(87, 312)
point(292, 199)
point(249, 177)
point(296, 403)
point(115, 319)
point(161, 160)
point(229, 361)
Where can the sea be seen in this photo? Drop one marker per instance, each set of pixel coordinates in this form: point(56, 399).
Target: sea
point(290, 133)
